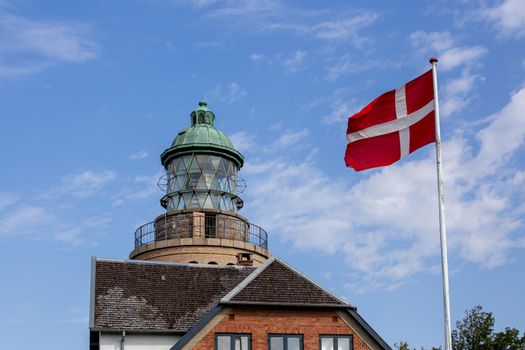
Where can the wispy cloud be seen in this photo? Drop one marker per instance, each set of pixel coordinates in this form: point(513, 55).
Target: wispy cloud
point(85, 184)
point(508, 17)
point(243, 141)
point(287, 139)
point(25, 222)
point(445, 46)
point(66, 213)
point(6, 199)
point(341, 105)
point(228, 93)
point(137, 188)
point(256, 57)
point(458, 92)
point(272, 15)
point(386, 224)
point(294, 63)
point(28, 46)
point(138, 155)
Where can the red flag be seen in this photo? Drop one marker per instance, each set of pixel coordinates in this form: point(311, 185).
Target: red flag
point(392, 126)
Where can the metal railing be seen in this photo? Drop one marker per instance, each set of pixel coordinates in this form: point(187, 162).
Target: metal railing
point(209, 226)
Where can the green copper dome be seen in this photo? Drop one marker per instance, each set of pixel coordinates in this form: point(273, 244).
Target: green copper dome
point(202, 138)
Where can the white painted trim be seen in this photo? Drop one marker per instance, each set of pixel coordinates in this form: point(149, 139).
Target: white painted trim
point(391, 126)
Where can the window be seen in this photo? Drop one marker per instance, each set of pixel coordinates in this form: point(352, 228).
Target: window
point(210, 225)
point(336, 342)
point(285, 342)
point(233, 342)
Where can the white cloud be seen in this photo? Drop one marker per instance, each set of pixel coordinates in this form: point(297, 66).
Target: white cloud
point(458, 92)
point(256, 57)
point(87, 183)
point(229, 93)
point(443, 45)
point(7, 199)
point(287, 139)
point(294, 63)
point(139, 188)
point(348, 64)
point(243, 141)
point(66, 214)
point(508, 17)
point(290, 63)
point(83, 185)
point(138, 155)
point(345, 29)
point(386, 224)
point(271, 15)
point(25, 222)
point(28, 46)
point(342, 106)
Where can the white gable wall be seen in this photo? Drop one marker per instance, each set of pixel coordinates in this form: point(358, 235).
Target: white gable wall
point(137, 341)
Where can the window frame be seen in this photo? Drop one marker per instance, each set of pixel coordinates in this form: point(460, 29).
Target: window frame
point(285, 336)
point(232, 337)
point(336, 337)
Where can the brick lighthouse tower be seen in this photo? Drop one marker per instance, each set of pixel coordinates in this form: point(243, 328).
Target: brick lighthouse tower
point(201, 185)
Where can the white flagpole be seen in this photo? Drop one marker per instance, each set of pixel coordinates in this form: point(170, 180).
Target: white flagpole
point(442, 227)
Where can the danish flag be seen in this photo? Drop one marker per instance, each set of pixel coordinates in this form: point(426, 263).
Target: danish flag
point(392, 126)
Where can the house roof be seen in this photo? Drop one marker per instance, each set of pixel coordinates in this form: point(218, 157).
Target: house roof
point(142, 295)
point(277, 283)
point(139, 295)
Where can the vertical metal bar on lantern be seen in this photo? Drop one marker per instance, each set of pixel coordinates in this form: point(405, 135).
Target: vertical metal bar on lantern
point(442, 227)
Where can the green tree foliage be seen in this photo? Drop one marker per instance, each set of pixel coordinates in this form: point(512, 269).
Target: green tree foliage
point(476, 332)
point(509, 340)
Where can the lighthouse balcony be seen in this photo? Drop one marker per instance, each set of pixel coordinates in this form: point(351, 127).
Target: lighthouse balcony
point(182, 235)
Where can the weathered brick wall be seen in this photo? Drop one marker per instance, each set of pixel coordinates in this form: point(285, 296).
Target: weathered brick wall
point(260, 322)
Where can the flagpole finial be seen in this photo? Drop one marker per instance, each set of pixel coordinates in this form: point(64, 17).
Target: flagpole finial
point(433, 60)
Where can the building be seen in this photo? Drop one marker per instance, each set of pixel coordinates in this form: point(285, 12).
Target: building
point(201, 276)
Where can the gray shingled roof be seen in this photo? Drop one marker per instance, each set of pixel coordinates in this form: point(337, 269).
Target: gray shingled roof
point(279, 284)
point(136, 295)
point(156, 296)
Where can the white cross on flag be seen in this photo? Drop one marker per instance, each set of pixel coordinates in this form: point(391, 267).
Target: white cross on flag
point(392, 126)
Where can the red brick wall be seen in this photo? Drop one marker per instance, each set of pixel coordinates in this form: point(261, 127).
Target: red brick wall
point(260, 322)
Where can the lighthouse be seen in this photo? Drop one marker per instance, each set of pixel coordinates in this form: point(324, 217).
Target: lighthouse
point(201, 186)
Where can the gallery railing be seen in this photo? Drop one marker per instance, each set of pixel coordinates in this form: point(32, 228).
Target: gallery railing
point(200, 226)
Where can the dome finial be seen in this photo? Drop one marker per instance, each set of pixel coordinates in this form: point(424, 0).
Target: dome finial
point(202, 103)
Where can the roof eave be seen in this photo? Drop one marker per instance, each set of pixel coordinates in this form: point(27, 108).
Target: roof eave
point(197, 328)
point(353, 312)
point(181, 150)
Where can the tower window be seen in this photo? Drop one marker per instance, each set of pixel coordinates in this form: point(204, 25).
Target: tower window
point(210, 226)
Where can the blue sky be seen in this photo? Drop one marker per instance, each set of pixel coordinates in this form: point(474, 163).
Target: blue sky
point(92, 92)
